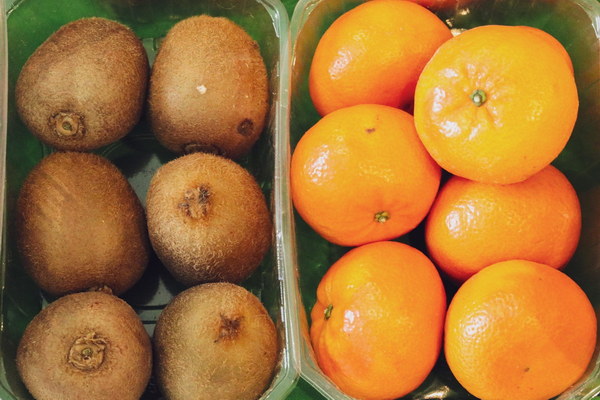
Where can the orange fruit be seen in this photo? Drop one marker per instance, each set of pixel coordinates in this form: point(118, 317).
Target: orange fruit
point(361, 174)
point(472, 225)
point(374, 53)
point(496, 104)
point(552, 43)
point(519, 330)
point(378, 321)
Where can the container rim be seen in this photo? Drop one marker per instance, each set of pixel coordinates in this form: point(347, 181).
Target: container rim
point(3, 119)
point(289, 295)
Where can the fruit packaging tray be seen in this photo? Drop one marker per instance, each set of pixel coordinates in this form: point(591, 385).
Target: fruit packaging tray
point(286, 281)
point(28, 23)
point(576, 24)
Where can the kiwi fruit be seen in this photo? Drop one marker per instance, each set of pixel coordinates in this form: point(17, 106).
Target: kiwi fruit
point(85, 86)
point(79, 225)
point(207, 219)
point(89, 345)
point(208, 88)
point(215, 341)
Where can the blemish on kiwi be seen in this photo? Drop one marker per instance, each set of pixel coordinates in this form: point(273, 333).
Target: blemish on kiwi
point(229, 328)
point(202, 148)
point(245, 127)
point(67, 125)
point(87, 352)
point(196, 202)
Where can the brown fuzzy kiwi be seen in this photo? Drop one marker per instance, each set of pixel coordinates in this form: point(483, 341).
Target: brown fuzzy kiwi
point(208, 88)
point(79, 225)
point(207, 219)
point(85, 346)
point(85, 86)
point(215, 341)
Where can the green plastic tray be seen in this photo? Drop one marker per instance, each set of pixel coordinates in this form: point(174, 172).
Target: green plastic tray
point(24, 25)
point(575, 23)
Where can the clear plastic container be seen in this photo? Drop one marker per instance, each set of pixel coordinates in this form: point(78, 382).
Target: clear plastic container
point(24, 25)
point(575, 23)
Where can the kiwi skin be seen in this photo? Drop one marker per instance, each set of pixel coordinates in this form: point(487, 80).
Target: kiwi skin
point(215, 341)
point(209, 89)
point(79, 225)
point(85, 86)
point(53, 362)
point(207, 219)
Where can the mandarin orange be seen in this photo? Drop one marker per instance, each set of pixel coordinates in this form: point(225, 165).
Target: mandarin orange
point(472, 225)
point(496, 104)
point(378, 321)
point(519, 330)
point(552, 44)
point(361, 175)
point(374, 53)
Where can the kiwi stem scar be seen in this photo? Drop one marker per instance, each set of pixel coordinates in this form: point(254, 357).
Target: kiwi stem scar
point(87, 352)
point(478, 97)
point(382, 216)
point(68, 125)
point(196, 202)
point(328, 311)
point(229, 328)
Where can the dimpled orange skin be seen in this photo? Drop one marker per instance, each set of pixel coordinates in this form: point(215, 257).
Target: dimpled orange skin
point(384, 332)
point(472, 225)
point(519, 330)
point(528, 115)
point(361, 174)
point(374, 53)
point(553, 43)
